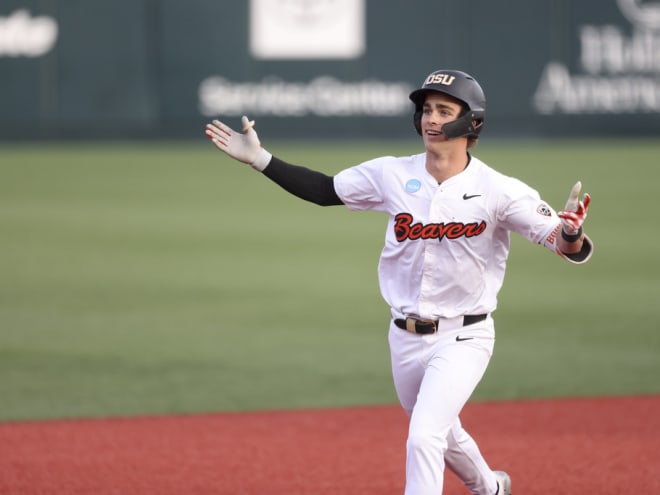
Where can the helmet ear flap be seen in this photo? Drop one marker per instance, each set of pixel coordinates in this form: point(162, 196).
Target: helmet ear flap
point(469, 124)
point(417, 120)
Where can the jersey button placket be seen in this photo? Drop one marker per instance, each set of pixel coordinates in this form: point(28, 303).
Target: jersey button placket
point(426, 304)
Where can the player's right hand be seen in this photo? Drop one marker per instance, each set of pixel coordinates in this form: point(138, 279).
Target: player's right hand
point(244, 147)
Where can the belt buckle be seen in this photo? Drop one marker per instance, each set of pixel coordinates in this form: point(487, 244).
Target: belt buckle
point(416, 326)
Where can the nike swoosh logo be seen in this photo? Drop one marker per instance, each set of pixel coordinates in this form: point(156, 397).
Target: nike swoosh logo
point(466, 196)
point(462, 339)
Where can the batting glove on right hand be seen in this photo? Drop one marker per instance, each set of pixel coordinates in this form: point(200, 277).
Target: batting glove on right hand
point(243, 147)
point(575, 211)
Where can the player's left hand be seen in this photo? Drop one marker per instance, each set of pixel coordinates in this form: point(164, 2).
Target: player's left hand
point(575, 212)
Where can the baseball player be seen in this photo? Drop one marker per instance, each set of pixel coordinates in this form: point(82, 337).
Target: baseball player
point(443, 263)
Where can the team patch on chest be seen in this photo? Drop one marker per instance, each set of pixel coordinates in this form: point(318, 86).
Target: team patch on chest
point(405, 229)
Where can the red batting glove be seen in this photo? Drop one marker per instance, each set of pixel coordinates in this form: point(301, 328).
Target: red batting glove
point(575, 212)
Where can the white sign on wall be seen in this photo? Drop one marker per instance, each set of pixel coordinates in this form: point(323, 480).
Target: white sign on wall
point(307, 29)
point(22, 35)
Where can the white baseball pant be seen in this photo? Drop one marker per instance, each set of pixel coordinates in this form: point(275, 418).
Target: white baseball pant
point(434, 376)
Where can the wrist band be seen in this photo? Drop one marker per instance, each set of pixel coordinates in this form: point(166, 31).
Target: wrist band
point(262, 160)
point(571, 237)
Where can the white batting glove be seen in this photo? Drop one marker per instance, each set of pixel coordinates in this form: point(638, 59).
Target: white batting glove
point(244, 147)
point(575, 211)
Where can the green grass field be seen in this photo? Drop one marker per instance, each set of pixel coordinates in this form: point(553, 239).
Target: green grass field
point(165, 278)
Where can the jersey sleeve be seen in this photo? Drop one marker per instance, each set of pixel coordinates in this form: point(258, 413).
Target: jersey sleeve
point(361, 187)
point(524, 212)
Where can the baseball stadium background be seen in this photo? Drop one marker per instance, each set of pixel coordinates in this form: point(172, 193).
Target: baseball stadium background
point(171, 322)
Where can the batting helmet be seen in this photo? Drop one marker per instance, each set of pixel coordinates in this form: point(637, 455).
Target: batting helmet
point(464, 88)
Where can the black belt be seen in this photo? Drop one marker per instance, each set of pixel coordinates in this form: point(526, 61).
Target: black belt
point(426, 327)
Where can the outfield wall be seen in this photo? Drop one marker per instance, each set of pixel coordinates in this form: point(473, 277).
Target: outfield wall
point(162, 68)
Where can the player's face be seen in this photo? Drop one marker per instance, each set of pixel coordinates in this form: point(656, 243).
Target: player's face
point(438, 110)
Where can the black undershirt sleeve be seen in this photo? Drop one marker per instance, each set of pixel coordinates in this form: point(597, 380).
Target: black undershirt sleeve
point(310, 185)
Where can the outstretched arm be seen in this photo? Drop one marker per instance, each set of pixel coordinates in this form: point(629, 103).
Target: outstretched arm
point(245, 147)
point(307, 184)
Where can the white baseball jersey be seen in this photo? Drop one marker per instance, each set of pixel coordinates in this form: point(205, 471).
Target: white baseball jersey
point(446, 244)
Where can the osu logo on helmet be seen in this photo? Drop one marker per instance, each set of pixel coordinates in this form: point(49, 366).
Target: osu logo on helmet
point(444, 79)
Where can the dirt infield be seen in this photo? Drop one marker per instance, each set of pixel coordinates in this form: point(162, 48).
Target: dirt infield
point(573, 447)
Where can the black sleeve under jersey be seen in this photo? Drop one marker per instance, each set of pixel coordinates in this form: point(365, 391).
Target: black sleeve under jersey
point(310, 185)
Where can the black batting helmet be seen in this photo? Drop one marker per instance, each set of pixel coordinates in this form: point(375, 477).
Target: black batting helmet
point(464, 88)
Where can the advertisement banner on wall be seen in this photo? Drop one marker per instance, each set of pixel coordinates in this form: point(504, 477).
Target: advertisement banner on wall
point(606, 65)
point(323, 68)
point(617, 70)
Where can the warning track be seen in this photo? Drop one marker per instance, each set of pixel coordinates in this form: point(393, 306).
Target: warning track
point(570, 446)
